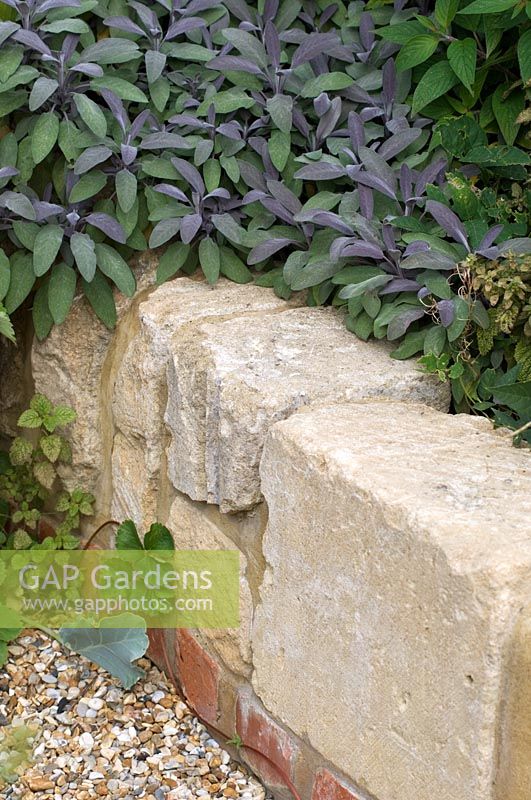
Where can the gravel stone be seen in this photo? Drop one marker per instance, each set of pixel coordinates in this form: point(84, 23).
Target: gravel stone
point(112, 743)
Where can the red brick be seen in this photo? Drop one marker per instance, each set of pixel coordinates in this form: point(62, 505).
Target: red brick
point(198, 675)
point(327, 787)
point(259, 731)
point(157, 648)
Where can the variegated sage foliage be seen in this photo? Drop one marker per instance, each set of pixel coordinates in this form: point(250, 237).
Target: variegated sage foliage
point(297, 143)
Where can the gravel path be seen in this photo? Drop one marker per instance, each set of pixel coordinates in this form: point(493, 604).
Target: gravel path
point(93, 739)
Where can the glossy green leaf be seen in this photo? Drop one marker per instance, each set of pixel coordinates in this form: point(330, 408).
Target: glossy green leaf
point(416, 51)
point(462, 57)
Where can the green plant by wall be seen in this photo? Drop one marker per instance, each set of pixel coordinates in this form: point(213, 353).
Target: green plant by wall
point(28, 478)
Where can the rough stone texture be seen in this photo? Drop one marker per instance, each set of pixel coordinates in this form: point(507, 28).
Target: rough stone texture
point(69, 367)
point(231, 381)
point(192, 530)
point(15, 384)
point(514, 778)
point(398, 559)
point(140, 394)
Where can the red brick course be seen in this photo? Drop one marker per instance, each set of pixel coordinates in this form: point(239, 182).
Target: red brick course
point(198, 675)
point(327, 787)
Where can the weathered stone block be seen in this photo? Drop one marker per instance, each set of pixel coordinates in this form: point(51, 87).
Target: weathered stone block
point(193, 530)
point(513, 781)
point(398, 559)
point(140, 393)
point(233, 379)
point(71, 367)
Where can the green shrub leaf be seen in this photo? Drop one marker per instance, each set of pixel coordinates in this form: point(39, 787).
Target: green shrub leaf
point(46, 247)
point(44, 136)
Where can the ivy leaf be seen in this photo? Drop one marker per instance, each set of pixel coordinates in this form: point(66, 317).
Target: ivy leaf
point(127, 537)
point(46, 247)
point(44, 136)
point(462, 56)
point(158, 538)
point(112, 648)
point(209, 259)
point(416, 51)
point(436, 81)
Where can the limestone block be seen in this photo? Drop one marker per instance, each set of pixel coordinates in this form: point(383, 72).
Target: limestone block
point(514, 777)
point(232, 380)
point(140, 394)
point(70, 368)
point(399, 555)
point(193, 530)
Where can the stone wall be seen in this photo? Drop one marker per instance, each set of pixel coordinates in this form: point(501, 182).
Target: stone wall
point(384, 648)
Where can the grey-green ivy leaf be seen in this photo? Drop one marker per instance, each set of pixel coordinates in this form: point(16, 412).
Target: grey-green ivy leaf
point(112, 648)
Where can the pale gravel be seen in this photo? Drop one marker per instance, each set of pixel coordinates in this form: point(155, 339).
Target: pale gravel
point(94, 739)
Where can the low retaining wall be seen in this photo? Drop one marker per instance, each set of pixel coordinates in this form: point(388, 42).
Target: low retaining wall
point(384, 649)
